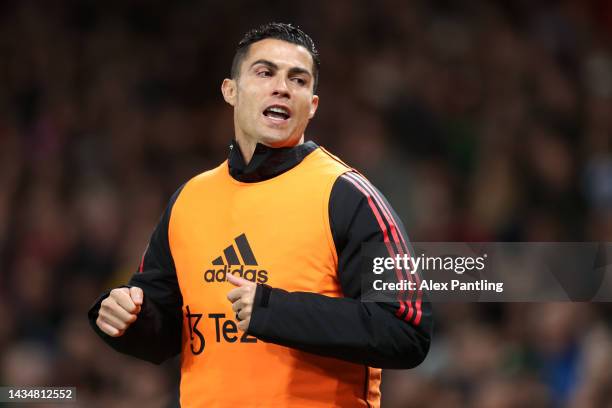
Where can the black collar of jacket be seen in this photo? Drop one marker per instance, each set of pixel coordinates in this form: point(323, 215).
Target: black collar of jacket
point(267, 162)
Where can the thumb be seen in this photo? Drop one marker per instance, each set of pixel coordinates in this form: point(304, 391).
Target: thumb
point(238, 281)
point(137, 295)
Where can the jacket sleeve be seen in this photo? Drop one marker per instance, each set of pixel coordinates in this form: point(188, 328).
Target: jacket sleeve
point(377, 334)
point(156, 334)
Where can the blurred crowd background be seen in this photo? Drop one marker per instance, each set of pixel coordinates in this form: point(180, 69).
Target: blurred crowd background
point(480, 120)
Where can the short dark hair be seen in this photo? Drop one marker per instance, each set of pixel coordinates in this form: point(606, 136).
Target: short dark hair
point(278, 31)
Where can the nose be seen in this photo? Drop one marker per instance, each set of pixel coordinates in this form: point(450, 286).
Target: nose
point(280, 88)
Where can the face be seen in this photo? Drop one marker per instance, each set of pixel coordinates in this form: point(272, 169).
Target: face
point(273, 96)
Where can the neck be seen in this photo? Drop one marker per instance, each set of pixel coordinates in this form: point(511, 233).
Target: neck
point(247, 148)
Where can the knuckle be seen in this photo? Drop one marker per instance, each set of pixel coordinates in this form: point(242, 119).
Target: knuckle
point(105, 310)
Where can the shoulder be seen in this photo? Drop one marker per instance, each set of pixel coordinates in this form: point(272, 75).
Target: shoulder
point(356, 204)
point(352, 186)
point(208, 175)
point(203, 181)
point(330, 161)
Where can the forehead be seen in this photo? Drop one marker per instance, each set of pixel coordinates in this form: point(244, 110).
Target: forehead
point(281, 53)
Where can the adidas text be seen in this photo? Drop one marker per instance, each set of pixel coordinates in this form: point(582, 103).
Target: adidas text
point(220, 275)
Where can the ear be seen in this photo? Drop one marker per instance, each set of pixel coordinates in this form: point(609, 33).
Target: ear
point(314, 104)
point(228, 89)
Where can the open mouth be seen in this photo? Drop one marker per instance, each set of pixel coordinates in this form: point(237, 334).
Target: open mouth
point(277, 112)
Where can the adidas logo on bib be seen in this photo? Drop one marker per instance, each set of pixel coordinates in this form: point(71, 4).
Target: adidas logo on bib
point(237, 254)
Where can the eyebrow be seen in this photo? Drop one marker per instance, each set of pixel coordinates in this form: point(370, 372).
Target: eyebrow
point(271, 65)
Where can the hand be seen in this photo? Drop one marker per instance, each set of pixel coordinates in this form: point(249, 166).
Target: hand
point(242, 298)
point(119, 310)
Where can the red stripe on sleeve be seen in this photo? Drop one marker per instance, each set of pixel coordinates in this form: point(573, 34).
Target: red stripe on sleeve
point(395, 232)
point(383, 228)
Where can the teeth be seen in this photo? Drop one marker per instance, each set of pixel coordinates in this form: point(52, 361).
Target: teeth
point(279, 110)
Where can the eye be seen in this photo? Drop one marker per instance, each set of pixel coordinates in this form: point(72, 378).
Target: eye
point(299, 81)
point(264, 73)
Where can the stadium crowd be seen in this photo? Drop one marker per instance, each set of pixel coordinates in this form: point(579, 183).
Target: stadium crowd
point(497, 114)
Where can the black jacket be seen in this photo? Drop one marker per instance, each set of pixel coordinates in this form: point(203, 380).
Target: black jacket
point(383, 334)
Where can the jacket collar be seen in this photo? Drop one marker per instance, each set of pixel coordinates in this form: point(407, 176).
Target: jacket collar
point(267, 162)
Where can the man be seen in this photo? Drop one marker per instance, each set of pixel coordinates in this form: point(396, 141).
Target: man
point(253, 271)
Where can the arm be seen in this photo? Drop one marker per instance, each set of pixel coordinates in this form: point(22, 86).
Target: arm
point(386, 335)
point(155, 335)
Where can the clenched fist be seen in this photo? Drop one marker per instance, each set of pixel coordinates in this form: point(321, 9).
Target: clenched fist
point(242, 298)
point(119, 310)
